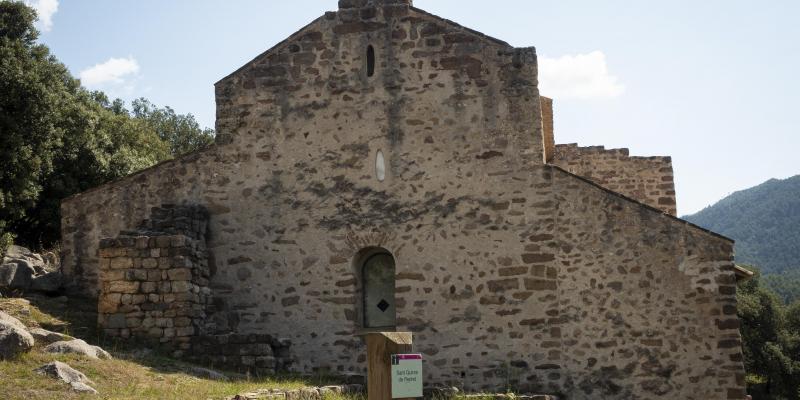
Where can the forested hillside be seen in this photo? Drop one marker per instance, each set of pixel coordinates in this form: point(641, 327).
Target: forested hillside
point(765, 222)
point(57, 138)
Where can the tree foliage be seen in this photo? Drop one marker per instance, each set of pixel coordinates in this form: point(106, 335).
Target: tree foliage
point(771, 341)
point(786, 284)
point(57, 138)
point(182, 132)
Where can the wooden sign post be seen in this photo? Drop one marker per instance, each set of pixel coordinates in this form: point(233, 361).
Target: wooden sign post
point(380, 348)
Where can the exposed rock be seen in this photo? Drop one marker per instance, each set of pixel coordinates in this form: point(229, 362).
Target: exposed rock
point(208, 374)
point(17, 274)
point(77, 346)
point(18, 253)
point(76, 379)
point(446, 392)
point(46, 337)
point(82, 387)
point(14, 337)
point(24, 270)
point(48, 283)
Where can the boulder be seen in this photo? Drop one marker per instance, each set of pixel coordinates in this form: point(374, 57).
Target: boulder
point(14, 337)
point(16, 253)
point(76, 379)
point(44, 336)
point(17, 274)
point(48, 283)
point(77, 346)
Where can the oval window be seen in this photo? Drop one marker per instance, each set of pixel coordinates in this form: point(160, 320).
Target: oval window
point(380, 166)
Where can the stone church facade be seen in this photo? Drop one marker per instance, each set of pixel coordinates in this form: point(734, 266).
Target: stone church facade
point(387, 169)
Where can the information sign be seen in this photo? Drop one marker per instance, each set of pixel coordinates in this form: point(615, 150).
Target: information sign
point(406, 375)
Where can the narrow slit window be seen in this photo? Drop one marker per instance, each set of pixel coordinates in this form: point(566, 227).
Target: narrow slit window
point(370, 60)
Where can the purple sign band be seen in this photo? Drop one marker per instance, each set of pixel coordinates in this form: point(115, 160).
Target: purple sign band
point(409, 356)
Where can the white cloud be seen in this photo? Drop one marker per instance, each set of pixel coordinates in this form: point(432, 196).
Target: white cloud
point(115, 71)
point(581, 76)
point(45, 9)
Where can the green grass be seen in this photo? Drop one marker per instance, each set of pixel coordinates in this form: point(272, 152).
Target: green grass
point(124, 379)
point(130, 375)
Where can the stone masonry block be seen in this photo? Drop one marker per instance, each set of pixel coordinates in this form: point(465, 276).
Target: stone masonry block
point(123, 287)
point(163, 241)
point(116, 321)
point(121, 262)
point(111, 252)
point(180, 274)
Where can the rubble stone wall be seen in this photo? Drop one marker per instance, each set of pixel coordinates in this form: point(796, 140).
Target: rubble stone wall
point(646, 179)
point(467, 208)
point(153, 288)
point(646, 302)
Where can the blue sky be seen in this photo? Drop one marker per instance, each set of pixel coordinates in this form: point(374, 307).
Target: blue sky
point(713, 84)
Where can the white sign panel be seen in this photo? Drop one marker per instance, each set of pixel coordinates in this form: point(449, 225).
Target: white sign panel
point(406, 375)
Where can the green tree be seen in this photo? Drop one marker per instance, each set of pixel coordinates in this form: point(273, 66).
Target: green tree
point(785, 283)
point(57, 139)
point(32, 88)
point(770, 342)
point(104, 144)
point(182, 132)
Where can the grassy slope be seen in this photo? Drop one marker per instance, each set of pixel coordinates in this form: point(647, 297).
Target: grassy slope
point(130, 375)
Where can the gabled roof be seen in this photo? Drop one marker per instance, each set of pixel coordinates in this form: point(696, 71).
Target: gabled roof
point(459, 26)
point(271, 49)
point(298, 33)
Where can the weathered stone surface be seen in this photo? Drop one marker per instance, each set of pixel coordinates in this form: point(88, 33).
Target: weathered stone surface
point(76, 379)
point(646, 179)
point(307, 393)
point(14, 337)
point(510, 272)
point(76, 346)
point(17, 274)
point(43, 336)
point(48, 283)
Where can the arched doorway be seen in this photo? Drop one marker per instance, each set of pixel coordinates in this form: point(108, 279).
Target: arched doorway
point(377, 274)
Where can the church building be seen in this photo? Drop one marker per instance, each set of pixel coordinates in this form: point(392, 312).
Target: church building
point(386, 169)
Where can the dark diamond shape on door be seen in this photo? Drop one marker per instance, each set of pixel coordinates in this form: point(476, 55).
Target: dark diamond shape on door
point(383, 305)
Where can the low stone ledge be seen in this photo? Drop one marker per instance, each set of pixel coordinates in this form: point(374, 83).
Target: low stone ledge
point(318, 393)
point(309, 393)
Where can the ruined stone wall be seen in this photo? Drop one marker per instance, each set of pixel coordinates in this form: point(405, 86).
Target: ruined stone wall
point(646, 303)
point(153, 288)
point(645, 179)
point(105, 211)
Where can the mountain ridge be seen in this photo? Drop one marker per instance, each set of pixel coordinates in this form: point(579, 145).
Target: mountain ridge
point(764, 220)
